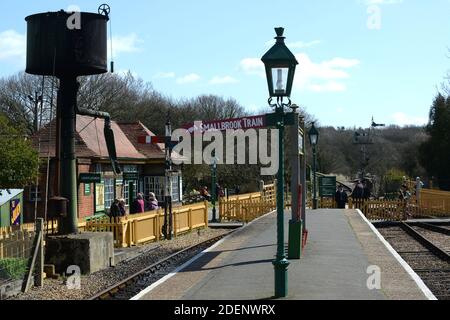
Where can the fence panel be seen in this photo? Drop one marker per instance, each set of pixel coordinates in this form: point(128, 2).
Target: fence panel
point(16, 247)
point(146, 227)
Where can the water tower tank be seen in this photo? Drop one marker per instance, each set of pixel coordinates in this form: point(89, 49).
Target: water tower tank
point(54, 48)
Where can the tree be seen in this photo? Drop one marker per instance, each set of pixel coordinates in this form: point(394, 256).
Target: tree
point(16, 104)
point(18, 160)
point(434, 154)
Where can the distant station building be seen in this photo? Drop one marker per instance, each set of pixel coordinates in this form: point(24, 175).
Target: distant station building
point(142, 163)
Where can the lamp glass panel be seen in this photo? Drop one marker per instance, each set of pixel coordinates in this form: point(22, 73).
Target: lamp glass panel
point(280, 79)
point(313, 139)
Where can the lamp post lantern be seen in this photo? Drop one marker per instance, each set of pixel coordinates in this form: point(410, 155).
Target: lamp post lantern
point(280, 66)
point(313, 140)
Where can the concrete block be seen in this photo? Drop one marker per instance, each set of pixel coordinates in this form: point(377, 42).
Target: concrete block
point(90, 251)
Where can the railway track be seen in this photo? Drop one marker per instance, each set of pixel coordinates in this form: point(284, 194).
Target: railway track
point(129, 287)
point(426, 248)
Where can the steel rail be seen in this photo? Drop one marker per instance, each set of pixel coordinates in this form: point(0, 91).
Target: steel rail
point(436, 250)
point(115, 288)
point(433, 227)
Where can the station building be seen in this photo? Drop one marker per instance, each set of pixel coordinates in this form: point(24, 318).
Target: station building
point(142, 163)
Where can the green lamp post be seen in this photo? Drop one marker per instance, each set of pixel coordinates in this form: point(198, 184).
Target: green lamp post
point(313, 139)
point(213, 189)
point(280, 66)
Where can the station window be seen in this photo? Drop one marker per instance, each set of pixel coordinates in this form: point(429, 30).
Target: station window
point(35, 193)
point(126, 191)
point(109, 192)
point(155, 185)
point(175, 189)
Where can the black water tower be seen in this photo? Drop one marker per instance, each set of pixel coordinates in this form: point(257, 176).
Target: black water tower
point(56, 46)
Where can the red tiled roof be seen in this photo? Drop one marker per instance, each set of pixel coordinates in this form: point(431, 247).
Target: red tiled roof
point(90, 140)
point(91, 133)
point(134, 130)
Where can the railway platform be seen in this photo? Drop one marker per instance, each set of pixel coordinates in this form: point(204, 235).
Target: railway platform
point(340, 256)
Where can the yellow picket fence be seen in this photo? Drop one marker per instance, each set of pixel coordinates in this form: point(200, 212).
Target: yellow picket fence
point(247, 207)
point(436, 201)
point(146, 227)
point(16, 243)
point(396, 210)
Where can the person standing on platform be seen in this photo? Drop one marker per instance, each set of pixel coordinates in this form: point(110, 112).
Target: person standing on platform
point(138, 205)
point(122, 208)
point(153, 202)
point(341, 198)
point(418, 188)
point(114, 211)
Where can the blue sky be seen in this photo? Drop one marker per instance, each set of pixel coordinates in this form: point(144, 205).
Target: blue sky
point(357, 58)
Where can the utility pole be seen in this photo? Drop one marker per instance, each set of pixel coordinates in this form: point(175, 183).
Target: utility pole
point(35, 100)
point(168, 216)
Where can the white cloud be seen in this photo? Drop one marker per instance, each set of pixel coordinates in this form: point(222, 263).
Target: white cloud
point(164, 75)
point(403, 119)
point(301, 44)
point(380, 2)
point(253, 66)
point(125, 44)
point(190, 78)
point(13, 46)
point(223, 80)
point(311, 76)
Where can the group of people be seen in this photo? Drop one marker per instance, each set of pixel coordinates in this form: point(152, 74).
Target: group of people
point(207, 196)
point(404, 192)
point(362, 191)
point(139, 205)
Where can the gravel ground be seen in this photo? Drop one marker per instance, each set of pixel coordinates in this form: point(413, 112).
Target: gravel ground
point(96, 282)
point(441, 240)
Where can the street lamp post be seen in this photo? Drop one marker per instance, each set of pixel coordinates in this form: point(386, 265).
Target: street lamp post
point(313, 139)
point(280, 66)
point(213, 189)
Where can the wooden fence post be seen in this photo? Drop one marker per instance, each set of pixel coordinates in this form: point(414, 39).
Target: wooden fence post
point(206, 213)
point(190, 219)
point(40, 259)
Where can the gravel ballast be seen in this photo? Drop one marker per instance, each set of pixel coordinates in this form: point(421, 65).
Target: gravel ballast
point(96, 282)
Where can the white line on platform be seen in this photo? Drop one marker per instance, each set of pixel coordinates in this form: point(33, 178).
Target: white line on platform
point(426, 291)
point(186, 264)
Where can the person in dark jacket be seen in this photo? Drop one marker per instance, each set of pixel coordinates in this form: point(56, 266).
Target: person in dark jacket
point(358, 191)
point(114, 211)
point(341, 198)
point(122, 209)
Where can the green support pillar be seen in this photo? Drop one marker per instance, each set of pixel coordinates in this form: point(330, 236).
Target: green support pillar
point(68, 174)
point(295, 239)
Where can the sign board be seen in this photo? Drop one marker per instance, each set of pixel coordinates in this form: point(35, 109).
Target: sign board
point(253, 122)
point(327, 186)
point(90, 178)
point(130, 176)
point(300, 142)
point(87, 189)
point(99, 197)
point(16, 212)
